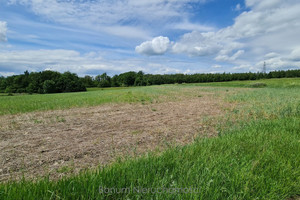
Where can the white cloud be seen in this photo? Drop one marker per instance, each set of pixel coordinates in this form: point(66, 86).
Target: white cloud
point(243, 68)
point(271, 55)
point(216, 66)
point(197, 44)
point(188, 26)
point(92, 63)
point(268, 31)
point(266, 4)
point(295, 55)
point(238, 7)
point(127, 31)
point(130, 18)
point(59, 60)
point(3, 29)
point(224, 57)
point(157, 46)
point(269, 26)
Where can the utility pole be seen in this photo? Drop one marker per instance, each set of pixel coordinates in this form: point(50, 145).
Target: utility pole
point(264, 68)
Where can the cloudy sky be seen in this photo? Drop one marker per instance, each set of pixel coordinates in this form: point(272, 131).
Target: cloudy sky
point(155, 36)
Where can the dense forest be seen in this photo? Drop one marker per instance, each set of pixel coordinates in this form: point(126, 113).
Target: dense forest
point(42, 82)
point(55, 82)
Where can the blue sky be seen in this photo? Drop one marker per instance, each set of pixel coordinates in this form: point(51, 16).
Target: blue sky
point(90, 37)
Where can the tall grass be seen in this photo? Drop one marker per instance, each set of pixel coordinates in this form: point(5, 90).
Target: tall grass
point(259, 161)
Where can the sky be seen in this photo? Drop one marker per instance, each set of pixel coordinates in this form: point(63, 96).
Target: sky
point(90, 37)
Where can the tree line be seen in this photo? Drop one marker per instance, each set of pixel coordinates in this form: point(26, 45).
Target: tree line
point(140, 79)
point(55, 82)
point(42, 83)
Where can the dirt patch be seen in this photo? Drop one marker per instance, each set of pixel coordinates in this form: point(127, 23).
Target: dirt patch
point(66, 141)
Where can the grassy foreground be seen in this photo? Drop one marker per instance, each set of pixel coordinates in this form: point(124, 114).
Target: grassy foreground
point(258, 161)
point(256, 156)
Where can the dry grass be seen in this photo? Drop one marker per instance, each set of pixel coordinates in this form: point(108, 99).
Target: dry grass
point(66, 141)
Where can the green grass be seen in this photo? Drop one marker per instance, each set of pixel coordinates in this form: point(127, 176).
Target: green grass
point(97, 96)
point(270, 83)
point(109, 88)
point(259, 161)
point(256, 156)
point(94, 96)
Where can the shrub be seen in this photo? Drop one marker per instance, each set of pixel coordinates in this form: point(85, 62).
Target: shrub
point(10, 89)
point(258, 85)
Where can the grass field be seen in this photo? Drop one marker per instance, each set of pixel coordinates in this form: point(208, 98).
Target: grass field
point(94, 96)
point(255, 156)
point(270, 83)
point(97, 96)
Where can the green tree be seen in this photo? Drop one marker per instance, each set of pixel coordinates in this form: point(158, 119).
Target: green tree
point(49, 86)
point(103, 80)
point(88, 81)
point(127, 79)
point(139, 80)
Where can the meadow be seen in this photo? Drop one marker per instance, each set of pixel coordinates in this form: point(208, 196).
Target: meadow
point(97, 96)
point(255, 155)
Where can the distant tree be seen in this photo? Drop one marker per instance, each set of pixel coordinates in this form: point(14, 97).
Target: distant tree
point(49, 86)
point(127, 78)
point(50, 81)
point(2, 84)
point(31, 89)
point(115, 81)
point(139, 79)
point(103, 80)
point(88, 81)
point(70, 82)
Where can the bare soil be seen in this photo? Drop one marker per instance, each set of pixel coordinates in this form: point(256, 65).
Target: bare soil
point(62, 142)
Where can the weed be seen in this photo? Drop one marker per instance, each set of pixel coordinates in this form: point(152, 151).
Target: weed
point(60, 119)
point(36, 121)
point(136, 132)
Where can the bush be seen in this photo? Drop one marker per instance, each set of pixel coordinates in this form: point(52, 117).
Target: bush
point(258, 85)
point(10, 90)
point(21, 90)
point(30, 89)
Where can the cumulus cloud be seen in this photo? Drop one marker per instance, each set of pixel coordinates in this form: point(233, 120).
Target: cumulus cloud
point(269, 26)
point(295, 55)
point(91, 63)
point(157, 46)
point(208, 44)
point(59, 60)
point(3, 30)
point(197, 44)
point(266, 4)
point(267, 31)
